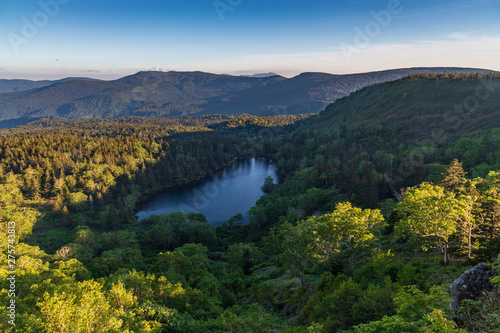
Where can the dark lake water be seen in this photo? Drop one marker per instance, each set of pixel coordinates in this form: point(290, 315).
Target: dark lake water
point(231, 191)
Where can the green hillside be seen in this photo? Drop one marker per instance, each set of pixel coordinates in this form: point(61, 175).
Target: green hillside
point(418, 105)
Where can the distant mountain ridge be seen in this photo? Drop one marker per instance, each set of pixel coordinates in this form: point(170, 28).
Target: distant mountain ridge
point(263, 74)
point(193, 94)
point(15, 85)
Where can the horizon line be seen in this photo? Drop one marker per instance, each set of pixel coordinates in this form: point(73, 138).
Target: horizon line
point(250, 74)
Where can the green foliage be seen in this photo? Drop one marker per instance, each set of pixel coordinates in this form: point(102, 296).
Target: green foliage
point(378, 267)
point(118, 239)
point(263, 292)
point(74, 250)
point(72, 268)
point(428, 212)
point(413, 304)
point(315, 328)
point(243, 256)
point(415, 312)
point(112, 260)
point(176, 229)
point(347, 232)
point(81, 307)
point(232, 232)
point(239, 319)
point(389, 324)
point(480, 316)
point(436, 322)
point(83, 236)
point(173, 265)
point(344, 303)
point(268, 185)
point(454, 177)
point(496, 279)
point(439, 323)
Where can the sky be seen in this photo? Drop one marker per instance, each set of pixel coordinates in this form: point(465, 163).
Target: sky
point(108, 39)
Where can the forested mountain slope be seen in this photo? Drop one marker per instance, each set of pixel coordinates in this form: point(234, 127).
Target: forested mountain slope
point(193, 93)
point(395, 134)
point(15, 85)
point(419, 106)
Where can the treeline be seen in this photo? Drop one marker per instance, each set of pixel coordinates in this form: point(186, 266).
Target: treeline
point(453, 76)
point(147, 128)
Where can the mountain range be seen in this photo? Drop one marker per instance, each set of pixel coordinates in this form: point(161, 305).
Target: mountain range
point(16, 85)
point(187, 94)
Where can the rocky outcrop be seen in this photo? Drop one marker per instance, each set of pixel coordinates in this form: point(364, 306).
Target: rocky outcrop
point(471, 285)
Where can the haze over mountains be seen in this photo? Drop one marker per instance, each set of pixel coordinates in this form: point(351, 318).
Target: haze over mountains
point(187, 94)
point(15, 85)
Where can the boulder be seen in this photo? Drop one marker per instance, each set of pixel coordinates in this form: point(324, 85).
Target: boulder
point(471, 285)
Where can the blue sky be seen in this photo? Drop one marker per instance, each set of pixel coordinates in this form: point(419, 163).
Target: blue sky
point(112, 38)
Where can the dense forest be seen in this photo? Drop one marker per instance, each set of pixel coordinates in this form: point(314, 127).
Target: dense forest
point(385, 198)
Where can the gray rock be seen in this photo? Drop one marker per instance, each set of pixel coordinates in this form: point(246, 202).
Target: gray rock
point(471, 285)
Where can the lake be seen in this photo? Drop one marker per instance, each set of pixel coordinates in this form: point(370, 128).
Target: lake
point(233, 190)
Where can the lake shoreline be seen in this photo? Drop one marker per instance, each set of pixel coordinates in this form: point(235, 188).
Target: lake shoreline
point(145, 199)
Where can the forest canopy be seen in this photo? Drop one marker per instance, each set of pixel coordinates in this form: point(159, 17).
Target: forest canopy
point(366, 231)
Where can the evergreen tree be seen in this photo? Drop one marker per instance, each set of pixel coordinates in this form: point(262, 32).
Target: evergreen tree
point(454, 178)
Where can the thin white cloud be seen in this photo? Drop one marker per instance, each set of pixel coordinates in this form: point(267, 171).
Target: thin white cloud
point(446, 8)
point(478, 53)
point(88, 71)
point(478, 3)
point(459, 35)
point(160, 69)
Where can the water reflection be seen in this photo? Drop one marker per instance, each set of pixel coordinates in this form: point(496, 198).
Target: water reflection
point(231, 191)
